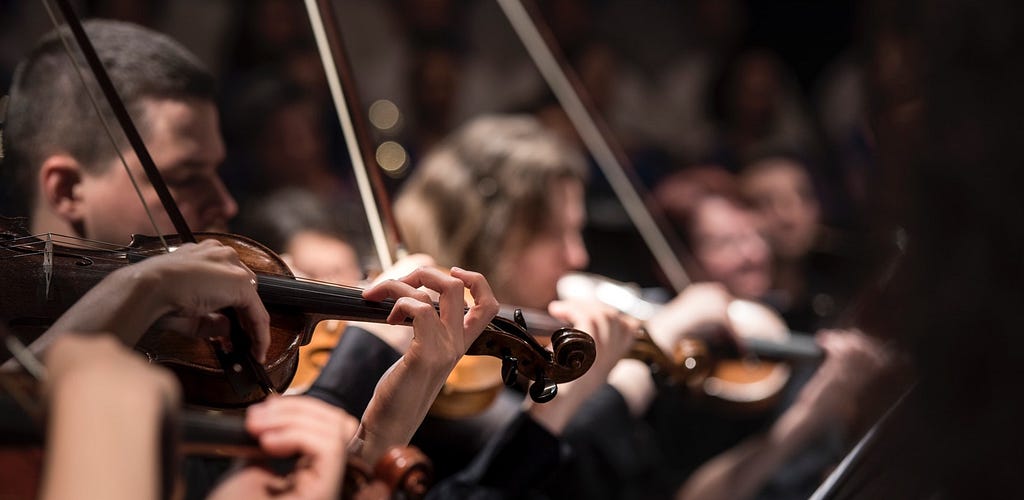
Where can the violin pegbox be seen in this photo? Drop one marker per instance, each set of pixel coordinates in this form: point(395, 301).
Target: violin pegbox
point(572, 354)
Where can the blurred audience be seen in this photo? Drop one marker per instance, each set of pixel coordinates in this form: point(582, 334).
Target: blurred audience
point(814, 266)
point(756, 106)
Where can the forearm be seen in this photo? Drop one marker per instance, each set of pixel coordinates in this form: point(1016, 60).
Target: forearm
point(356, 365)
point(125, 304)
point(399, 404)
point(742, 471)
point(632, 378)
point(103, 440)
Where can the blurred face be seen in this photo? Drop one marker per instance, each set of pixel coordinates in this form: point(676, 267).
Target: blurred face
point(786, 205)
point(323, 257)
point(730, 250)
point(533, 271)
point(184, 140)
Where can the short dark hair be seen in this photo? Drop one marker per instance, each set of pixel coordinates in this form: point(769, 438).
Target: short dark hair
point(50, 111)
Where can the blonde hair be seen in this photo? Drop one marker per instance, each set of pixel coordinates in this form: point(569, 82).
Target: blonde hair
point(483, 193)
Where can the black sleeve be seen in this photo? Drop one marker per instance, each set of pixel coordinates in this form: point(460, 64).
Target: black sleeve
point(356, 365)
point(516, 463)
point(613, 455)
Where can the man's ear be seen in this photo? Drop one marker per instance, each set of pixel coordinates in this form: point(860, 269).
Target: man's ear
point(60, 181)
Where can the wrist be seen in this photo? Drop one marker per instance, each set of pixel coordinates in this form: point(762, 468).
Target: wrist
point(431, 367)
point(148, 289)
point(634, 382)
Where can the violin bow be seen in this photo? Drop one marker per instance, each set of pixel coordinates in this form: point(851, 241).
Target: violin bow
point(245, 374)
point(609, 155)
point(348, 106)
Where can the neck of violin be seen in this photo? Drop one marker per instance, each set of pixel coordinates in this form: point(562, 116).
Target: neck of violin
point(322, 300)
point(797, 348)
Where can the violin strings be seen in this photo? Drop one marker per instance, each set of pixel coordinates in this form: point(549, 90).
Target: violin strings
point(283, 282)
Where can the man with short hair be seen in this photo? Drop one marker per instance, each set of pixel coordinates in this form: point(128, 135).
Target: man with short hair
point(68, 176)
point(64, 168)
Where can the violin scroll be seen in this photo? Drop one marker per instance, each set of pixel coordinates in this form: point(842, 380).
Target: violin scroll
point(573, 353)
point(574, 350)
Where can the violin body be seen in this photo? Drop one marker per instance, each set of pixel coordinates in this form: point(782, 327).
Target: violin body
point(749, 384)
point(313, 357)
point(718, 375)
point(470, 389)
point(45, 276)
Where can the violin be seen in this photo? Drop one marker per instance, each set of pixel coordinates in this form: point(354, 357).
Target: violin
point(313, 357)
point(475, 382)
point(717, 370)
point(45, 275)
point(688, 364)
point(403, 472)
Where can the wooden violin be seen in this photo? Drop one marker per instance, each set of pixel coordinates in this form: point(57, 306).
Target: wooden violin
point(749, 376)
point(688, 364)
point(45, 275)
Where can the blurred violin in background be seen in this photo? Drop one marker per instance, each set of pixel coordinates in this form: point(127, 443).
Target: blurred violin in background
point(745, 373)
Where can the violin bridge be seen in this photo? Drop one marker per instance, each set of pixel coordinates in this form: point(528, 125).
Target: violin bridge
point(48, 262)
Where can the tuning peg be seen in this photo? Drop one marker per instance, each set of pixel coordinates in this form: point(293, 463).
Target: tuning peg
point(542, 392)
point(517, 316)
point(509, 370)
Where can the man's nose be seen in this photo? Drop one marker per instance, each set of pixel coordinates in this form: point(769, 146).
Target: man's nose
point(221, 206)
point(576, 253)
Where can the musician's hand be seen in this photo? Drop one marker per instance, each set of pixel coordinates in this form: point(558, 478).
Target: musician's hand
point(852, 361)
point(181, 290)
point(197, 280)
point(440, 337)
point(398, 337)
point(613, 334)
point(407, 390)
point(700, 307)
point(316, 432)
point(110, 366)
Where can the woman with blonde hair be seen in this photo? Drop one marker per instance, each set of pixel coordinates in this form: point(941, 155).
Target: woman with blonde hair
point(502, 194)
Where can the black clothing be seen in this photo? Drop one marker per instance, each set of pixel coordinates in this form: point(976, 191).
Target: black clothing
point(501, 453)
